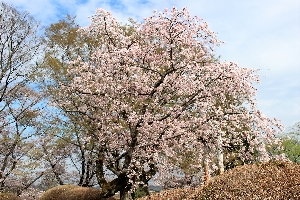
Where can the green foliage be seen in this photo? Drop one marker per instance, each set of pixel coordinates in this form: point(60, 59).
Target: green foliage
point(63, 44)
point(141, 191)
point(291, 148)
point(290, 145)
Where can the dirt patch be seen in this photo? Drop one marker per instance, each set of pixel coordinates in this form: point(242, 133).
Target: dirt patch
point(173, 194)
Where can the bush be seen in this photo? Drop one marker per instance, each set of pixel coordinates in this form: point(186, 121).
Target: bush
point(54, 193)
point(80, 193)
point(9, 196)
point(141, 191)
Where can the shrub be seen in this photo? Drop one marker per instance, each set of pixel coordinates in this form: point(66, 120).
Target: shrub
point(80, 193)
point(54, 193)
point(9, 196)
point(141, 191)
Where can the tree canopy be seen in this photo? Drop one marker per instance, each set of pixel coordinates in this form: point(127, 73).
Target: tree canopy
point(156, 90)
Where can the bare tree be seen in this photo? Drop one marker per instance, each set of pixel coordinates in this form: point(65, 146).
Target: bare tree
point(62, 131)
point(20, 45)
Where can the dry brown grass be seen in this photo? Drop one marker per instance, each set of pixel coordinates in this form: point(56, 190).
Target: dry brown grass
point(272, 180)
point(54, 193)
point(9, 196)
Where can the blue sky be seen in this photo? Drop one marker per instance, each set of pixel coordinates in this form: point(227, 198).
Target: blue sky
point(263, 34)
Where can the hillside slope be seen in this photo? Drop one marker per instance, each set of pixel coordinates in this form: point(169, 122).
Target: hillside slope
point(272, 180)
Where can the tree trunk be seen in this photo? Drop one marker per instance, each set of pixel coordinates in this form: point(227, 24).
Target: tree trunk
point(124, 195)
point(220, 155)
point(206, 171)
point(206, 164)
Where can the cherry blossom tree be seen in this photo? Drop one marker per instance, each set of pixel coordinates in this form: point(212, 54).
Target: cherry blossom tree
point(155, 92)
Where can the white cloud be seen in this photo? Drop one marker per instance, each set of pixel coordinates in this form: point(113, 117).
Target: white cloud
point(43, 11)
